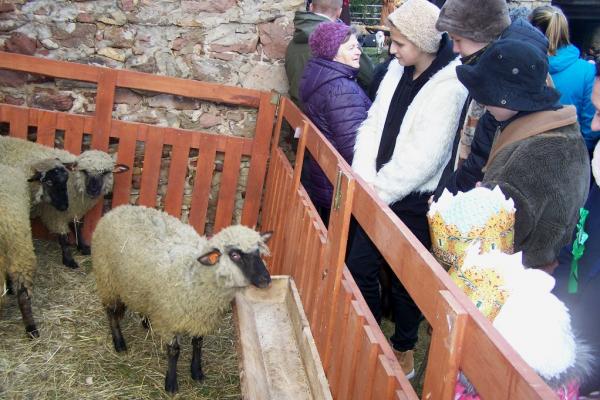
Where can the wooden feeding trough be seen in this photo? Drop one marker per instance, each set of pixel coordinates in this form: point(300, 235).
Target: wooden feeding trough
point(277, 352)
point(356, 357)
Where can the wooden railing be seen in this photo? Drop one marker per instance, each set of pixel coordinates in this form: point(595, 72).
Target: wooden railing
point(358, 360)
point(102, 128)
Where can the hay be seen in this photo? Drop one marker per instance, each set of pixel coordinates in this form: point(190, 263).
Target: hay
point(74, 356)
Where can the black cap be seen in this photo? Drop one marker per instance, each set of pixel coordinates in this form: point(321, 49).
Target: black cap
point(510, 74)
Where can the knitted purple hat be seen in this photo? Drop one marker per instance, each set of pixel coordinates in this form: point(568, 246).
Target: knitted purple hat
point(325, 41)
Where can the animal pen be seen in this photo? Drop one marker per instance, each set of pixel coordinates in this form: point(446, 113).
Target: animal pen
point(356, 357)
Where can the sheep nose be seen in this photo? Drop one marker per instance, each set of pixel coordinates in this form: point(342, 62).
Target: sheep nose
point(264, 282)
point(94, 186)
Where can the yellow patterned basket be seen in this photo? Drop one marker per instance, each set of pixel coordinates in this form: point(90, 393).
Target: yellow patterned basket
point(457, 222)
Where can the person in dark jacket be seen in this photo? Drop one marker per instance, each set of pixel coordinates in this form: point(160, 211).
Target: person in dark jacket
point(298, 52)
point(542, 164)
point(333, 101)
point(473, 25)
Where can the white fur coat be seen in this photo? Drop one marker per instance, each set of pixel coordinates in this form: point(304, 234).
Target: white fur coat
point(424, 144)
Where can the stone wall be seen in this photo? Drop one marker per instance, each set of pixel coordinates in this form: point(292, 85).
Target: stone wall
point(240, 43)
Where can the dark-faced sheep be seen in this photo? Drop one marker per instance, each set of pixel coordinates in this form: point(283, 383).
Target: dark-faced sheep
point(154, 264)
point(46, 182)
point(91, 177)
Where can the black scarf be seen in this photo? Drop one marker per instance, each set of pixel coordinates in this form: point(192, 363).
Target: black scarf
point(405, 93)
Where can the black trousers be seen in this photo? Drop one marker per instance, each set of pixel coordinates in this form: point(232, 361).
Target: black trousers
point(364, 262)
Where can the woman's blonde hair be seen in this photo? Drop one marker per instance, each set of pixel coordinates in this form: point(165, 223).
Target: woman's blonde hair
point(553, 23)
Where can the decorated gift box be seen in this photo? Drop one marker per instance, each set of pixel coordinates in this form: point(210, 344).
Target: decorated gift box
point(479, 215)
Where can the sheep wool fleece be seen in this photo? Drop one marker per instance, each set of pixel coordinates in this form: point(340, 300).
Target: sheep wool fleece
point(94, 162)
point(149, 260)
point(17, 257)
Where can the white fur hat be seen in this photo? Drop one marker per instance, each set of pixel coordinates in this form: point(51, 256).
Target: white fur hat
point(596, 164)
point(416, 20)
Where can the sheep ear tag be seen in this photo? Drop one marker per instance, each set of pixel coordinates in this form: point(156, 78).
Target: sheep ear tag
point(210, 258)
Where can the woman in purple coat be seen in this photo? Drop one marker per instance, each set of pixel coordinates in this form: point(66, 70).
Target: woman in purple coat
point(333, 100)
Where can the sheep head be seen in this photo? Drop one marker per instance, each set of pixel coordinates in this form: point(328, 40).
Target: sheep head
point(95, 173)
point(52, 176)
point(236, 252)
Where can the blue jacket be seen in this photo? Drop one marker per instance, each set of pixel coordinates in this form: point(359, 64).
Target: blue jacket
point(337, 105)
point(574, 79)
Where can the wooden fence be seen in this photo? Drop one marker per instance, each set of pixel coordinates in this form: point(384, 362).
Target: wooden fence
point(358, 361)
point(153, 139)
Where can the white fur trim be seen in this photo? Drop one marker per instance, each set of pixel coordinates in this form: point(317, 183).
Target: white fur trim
point(424, 144)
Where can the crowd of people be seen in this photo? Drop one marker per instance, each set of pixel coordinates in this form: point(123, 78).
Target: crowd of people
point(469, 97)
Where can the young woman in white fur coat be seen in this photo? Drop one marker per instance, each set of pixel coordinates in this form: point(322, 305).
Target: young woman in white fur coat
point(402, 149)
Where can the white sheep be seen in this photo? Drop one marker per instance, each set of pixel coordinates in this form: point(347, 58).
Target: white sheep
point(47, 181)
point(91, 177)
point(160, 267)
point(90, 180)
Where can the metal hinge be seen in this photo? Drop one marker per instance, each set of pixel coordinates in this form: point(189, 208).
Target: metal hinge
point(337, 196)
point(275, 98)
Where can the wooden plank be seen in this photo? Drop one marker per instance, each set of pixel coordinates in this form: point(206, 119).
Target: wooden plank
point(317, 381)
point(339, 223)
point(349, 358)
point(496, 370)
point(300, 152)
point(189, 88)
point(202, 181)
point(46, 128)
point(73, 133)
point(228, 186)
point(48, 67)
point(104, 106)
point(125, 155)
point(367, 358)
point(258, 160)
point(253, 376)
point(18, 118)
point(177, 174)
point(446, 348)
point(341, 323)
point(384, 385)
point(151, 168)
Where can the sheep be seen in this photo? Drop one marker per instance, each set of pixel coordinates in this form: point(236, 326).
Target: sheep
point(160, 267)
point(17, 257)
point(90, 179)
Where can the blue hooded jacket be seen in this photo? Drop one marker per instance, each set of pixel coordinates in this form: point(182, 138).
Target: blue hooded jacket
point(574, 79)
point(335, 103)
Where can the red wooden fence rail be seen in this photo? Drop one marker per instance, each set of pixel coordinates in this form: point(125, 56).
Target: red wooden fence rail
point(101, 127)
point(358, 360)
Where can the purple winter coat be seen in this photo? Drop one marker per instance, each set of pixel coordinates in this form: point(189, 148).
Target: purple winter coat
point(335, 103)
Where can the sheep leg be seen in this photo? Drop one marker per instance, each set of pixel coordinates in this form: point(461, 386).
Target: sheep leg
point(146, 322)
point(67, 257)
point(25, 306)
point(171, 377)
point(82, 246)
point(9, 286)
point(115, 314)
point(197, 373)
